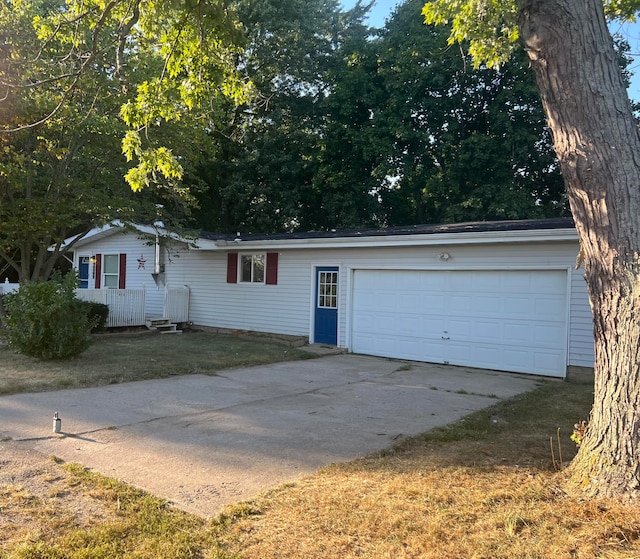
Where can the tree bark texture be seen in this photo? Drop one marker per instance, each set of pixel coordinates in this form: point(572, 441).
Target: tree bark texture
point(597, 142)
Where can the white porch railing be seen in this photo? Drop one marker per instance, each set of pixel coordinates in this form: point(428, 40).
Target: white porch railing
point(176, 304)
point(126, 306)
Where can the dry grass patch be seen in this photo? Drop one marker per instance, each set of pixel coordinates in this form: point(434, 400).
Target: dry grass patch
point(115, 358)
point(484, 488)
point(91, 516)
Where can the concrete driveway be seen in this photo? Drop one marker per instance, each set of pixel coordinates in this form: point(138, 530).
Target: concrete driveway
point(202, 442)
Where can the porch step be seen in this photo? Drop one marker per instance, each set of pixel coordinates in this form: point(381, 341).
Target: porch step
point(163, 325)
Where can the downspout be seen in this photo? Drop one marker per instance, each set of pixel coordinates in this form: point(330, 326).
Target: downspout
point(158, 272)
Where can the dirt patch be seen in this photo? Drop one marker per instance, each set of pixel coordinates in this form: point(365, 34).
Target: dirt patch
point(36, 490)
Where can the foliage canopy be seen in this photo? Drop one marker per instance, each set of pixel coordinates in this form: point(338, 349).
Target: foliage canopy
point(491, 27)
point(84, 81)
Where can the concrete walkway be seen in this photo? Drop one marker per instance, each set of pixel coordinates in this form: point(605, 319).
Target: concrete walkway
point(202, 442)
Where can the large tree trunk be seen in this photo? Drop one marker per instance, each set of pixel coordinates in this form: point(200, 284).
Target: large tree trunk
point(597, 142)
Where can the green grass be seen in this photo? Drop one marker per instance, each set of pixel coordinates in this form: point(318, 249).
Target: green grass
point(116, 358)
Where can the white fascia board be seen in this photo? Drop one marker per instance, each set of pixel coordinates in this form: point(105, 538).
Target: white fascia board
point(464, 238)
point(94, 234)
point(202, 244)
point(118, 226)
point(197, 243)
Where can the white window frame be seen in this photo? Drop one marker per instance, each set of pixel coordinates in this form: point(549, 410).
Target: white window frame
point(328, 299)
point(106, 274)
point(255, 257)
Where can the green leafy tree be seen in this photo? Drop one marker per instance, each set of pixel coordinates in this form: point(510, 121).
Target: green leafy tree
point(461, 144)
point(267, 174)
point(597, 142)
point(81, 83)
point(354, 127)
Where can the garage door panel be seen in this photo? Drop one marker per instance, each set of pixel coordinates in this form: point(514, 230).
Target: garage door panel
point(408, 326)
point(457, 327)
point(548, 361)
point(486, 331)
point(415, 347)
point(459, 303)
point(515, 283)
point(474, 355)
point(548, 282)
point(408, 282)
point(518, 359)
point(547, 335)
point(431, 282)
point(486, 305)
point(547, 306)
point(515, 306)
point(516, 333)
point(435, 303)
point(408, 300)
point(507, 320)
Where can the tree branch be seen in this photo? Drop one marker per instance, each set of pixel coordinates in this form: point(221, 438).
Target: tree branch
point(123, 33)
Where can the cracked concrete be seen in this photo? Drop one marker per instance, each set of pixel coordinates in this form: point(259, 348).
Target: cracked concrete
point(202, 442)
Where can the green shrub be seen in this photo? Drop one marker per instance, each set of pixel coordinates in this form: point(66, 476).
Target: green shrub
point(46, 320)
point(98, 314)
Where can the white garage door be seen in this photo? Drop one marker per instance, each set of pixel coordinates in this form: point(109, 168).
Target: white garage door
point(505, 320)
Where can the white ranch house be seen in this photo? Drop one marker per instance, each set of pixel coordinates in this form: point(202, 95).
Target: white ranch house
point(493, 295)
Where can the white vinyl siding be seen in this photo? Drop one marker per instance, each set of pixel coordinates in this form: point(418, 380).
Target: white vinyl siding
point(581, 344)
point(281, 308)
point(286, 308)
point(137, 276)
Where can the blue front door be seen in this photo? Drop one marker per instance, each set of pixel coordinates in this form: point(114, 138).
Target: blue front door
point(83, 272)
point(326, 308)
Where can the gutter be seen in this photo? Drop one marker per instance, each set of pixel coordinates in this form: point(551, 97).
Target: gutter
point(462, 238)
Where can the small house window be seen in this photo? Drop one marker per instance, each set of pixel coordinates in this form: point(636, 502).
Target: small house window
point(110, 271)
point(252, 268)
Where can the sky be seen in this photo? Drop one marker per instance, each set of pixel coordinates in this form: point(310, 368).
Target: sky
point(382, 9)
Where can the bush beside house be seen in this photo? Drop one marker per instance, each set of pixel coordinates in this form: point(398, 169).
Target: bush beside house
point(47, 321)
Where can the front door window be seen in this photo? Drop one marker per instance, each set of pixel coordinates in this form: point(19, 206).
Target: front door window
point(328, 290)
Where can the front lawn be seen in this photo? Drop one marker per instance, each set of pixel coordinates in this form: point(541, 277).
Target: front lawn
point(115, 358)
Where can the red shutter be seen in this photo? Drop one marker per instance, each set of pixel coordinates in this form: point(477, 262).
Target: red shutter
point(232, 267)
point(98, 270)
point(272, 268)
point(122, 272)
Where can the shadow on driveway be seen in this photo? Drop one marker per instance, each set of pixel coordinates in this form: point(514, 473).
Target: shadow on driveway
point(202, 442)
